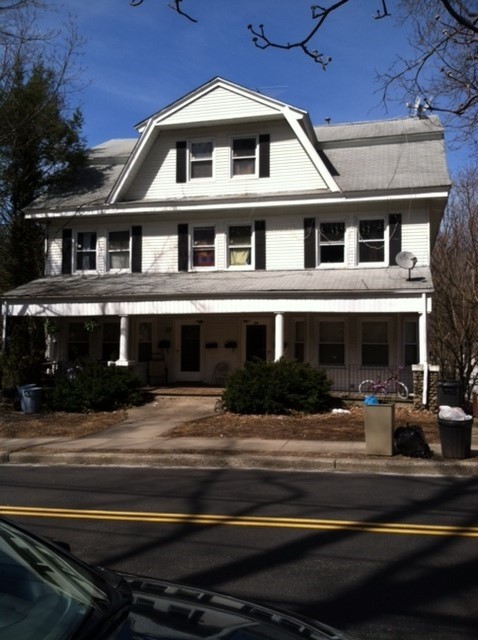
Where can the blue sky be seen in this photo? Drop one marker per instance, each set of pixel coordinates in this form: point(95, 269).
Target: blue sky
point(138, 60)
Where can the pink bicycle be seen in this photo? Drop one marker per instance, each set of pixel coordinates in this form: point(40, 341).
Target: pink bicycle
point(391, 386)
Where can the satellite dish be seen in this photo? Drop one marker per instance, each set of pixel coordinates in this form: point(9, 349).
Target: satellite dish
point(406, 260)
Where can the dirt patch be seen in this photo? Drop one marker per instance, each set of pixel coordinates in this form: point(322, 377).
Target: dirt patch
point(327, 426)
point(15, 424)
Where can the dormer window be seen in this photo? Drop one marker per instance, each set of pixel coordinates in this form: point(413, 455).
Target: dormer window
point(244, 156)
point(200, 159)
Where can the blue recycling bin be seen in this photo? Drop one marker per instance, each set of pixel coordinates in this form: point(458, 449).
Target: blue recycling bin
point(30, 398)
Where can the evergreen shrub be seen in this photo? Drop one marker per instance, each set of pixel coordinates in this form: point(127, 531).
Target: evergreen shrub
point(279, 387)
point(93, 386)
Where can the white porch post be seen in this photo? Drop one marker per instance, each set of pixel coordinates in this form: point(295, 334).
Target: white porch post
point(4, 325)
point(123, 344)
point(423, 345)
point(279, 336)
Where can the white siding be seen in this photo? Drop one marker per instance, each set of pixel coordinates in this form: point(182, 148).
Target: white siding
point(416, 235)
point(285, 242)
point(290, 167)
point(219, 104)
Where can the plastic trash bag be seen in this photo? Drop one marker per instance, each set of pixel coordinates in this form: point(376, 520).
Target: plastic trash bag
point(370, 400)
point(452, 413)
point(410, 441)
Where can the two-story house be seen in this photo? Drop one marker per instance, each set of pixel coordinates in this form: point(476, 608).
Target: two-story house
point(231, 228)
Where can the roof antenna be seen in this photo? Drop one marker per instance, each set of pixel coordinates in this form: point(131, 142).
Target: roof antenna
point(327, 120)
point(417, 109)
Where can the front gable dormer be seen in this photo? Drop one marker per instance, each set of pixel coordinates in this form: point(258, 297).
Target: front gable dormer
point(223, 140)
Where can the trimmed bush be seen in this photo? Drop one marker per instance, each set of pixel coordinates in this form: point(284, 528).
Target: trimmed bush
point(93, 386)
point(279, 387)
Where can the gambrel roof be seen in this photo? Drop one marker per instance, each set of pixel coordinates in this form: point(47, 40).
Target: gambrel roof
point(362, 160)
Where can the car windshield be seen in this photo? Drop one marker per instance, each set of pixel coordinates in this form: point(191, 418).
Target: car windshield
point(44, 594)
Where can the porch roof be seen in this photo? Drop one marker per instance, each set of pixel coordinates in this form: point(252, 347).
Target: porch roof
point(341, 283)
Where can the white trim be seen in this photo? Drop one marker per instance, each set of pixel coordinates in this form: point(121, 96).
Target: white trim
point(177, 205)
point(310, 150)
point(372, 305)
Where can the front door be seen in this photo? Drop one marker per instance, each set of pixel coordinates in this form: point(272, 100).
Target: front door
point(256, 341)
point(190, 357)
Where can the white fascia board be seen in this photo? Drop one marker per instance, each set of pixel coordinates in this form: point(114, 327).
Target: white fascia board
point(222, 306)
point(310, 149)
point(256, 204)
point(138, 150)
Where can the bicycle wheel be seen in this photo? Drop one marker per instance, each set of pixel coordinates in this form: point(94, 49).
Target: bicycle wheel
point(402, 390)
point(367, 386)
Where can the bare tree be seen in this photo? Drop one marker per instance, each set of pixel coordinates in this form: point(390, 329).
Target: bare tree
point(441, 69)
point(454, 321)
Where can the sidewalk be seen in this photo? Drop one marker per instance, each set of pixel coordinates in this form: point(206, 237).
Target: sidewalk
point(141, 440)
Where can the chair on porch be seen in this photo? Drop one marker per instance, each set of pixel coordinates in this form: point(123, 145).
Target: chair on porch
point(221, 371)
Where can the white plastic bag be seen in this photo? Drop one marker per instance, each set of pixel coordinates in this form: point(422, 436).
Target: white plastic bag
point(452, 413)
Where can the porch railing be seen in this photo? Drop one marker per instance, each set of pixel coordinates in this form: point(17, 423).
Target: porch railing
point(347, 379)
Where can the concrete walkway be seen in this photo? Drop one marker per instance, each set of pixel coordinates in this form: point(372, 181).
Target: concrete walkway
point(141, 440)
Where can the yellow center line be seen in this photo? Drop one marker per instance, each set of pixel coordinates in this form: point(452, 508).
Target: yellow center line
point(243, 521)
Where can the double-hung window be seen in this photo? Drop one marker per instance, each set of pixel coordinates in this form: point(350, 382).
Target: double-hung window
point(200, 159)
point(332, 342)
point(240, 245)
point(204, 247)
point(331, 242)
point(118, 250)
point(375, 343)
point(86, 251)
point(244, 156)
point(371, 240)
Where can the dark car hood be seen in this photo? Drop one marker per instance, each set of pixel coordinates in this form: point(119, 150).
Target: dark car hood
point(164, 610)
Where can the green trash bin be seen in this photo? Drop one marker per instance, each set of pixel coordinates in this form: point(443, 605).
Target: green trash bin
point(455, 438)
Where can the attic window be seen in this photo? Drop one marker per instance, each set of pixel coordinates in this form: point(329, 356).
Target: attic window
point(201, 159)
point(244, 156)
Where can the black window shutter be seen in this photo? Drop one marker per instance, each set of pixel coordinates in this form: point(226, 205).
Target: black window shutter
point(136, 249)
point(395, 236)
point(310, 256)
point(181, 148)
point(264, 155)
point(260, 244)
point(66, 251)
point(183, 247)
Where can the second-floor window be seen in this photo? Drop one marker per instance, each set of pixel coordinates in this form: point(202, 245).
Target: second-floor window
point(240, 245)
point(331, 242)
point(118, 250)
point(86, 251)
point(371, 240)
point(204, 249)
point(244, 156)
point(200, 159)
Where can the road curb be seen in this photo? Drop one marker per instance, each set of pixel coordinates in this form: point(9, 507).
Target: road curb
point(248, 460)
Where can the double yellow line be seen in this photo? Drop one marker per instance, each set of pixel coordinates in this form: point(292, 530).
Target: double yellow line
point(242, 521)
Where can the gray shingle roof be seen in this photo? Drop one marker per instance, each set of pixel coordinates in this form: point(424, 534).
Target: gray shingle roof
point(404, 153)
point(160, 286)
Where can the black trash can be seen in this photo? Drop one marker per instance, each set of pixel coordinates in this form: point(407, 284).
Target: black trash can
point(449, 393)
point(455, 437)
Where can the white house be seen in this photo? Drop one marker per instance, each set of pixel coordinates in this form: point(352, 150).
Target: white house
point(231, 228)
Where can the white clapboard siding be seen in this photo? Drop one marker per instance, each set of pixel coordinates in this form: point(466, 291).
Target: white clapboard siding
point(285, 243)
point(291, 169)
point(416, 235)
point(219, 104)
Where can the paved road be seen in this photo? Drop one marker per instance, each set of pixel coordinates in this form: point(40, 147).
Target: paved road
point(284, 538)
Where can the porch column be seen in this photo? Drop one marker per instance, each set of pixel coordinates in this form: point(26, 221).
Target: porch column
point(123, 344)
point(4, 325)
point(279, 336)
point(423, 346)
